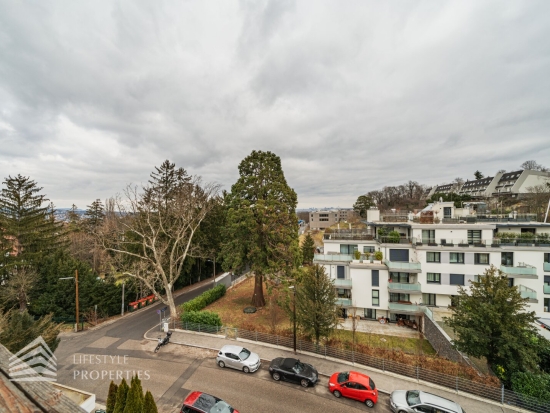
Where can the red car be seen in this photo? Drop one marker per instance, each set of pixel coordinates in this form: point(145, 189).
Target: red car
point(354, 385)
point(198, 402)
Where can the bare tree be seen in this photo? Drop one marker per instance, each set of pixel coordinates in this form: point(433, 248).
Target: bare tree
point(151, 235)
point(537, 199)
point(533, 166)
point(17, 288)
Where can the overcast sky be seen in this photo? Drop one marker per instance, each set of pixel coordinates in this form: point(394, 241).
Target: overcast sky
point(353, 95)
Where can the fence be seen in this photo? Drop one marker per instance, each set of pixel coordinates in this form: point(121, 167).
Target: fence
point(455, 383)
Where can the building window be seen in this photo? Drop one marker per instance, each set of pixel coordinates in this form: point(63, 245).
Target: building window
point(481, 259)
point(323, 219)
point(457, 258)
point(433, 256)
point(348, 248)
point(370, 313)
point(399, 277)
point(399, 255)
point(428, 299)
point(546, 305)
point(433, 278)
point(547, 257)
point(375, 297)
point(510, 282)
point(428, 236)
point(507, 259)
point(368, 248)
point(340, 272)
point(457, 279)
point(375, 278)
point(447, 212)
point(397, 297)
point(474, 236)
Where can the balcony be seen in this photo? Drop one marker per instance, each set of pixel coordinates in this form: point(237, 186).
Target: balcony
point(455, 242)
point(405, 308)
point(393, 240)
point(341, 283)
point(528, 293)
point(404, 287)
point(411, 267)
point(349, 235)
point(547, 266)
point(522, 270)
point(546, 289)
point(344, 302)
point(333, 257)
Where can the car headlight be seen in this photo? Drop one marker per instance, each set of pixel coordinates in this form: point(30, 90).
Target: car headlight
point(332, 384)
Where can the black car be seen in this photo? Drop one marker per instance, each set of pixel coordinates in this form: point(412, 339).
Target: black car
point(293, 370)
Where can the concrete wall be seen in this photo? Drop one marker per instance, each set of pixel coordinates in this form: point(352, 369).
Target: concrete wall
point(440, 341)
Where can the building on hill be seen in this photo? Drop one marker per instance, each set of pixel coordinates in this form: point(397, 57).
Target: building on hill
point(516, 184)
point(423, 267)
point(320, 220)
point(480, 188)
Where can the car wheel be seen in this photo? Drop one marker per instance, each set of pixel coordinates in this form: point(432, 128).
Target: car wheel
point(304, 383)
point(337, 393)
point(221, 364)
point(276, 376)
point(369, 403)
point(246, 369)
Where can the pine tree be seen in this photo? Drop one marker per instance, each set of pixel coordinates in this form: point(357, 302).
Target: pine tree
point(134, 400)
point(121, 396)
point(73, 218)
point(111, 398)
point(308, 250)
point(21, 329)
point(94, 215)
point(166, 182)
point(149, 406)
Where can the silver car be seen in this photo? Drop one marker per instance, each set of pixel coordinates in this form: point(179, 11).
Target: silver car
point(239, 358)
point(415, 401)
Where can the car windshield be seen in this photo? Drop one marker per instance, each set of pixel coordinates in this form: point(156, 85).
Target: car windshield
point(371, 384)
point(221, 407)
point(244, 354)
point(299, 367)
point(413, 397)
point(343, 377)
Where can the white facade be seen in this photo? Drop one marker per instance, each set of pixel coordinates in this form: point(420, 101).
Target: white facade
point(431, 261)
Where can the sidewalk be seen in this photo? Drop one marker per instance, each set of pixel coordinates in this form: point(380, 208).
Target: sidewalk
point(385, 381)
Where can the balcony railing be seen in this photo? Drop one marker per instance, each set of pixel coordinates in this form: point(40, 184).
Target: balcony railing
point(340, 283)
point(393, 240)
point(522, 270)
point(403, 266)
point(546, 289)
point(404, 308)
point(547, 266)
point(454, 242)
point(528, 293)
point(360, 236)
point(344, 302)
point(415, 287)
point(333, 257)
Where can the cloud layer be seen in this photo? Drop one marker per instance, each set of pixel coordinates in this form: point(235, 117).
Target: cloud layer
point(352, 96)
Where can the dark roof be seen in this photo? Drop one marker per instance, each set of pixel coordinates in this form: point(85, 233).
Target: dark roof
point(30, 396)
point(289, 363)
point(509, 175)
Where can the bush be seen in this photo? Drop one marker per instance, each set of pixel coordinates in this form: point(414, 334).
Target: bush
point(206, 298)
point(202, 317)
point(393, 237)
point(149, 405)
point(534, 385)
point(111, 398)
point(378, 255)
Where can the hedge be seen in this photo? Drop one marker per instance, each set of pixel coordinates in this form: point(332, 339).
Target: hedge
point(202, 317)
point(207, 297)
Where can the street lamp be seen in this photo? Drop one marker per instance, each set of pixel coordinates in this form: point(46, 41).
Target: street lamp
point(76, 285)
point(294, 312)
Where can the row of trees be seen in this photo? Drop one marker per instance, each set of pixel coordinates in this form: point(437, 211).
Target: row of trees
point(129, 399)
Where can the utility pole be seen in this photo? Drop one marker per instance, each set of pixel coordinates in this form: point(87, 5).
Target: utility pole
point(294, 316)
point(122, 308)
point(76, 283)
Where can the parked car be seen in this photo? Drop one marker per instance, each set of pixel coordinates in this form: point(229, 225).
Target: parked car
point(294, 370)
point(413, 401)
point(239, 358)
point(354, 385)
point(198, 402)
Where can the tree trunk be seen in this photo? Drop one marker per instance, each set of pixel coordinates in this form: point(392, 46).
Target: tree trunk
point(171, 304)
point(258, 299)
point(22, 302)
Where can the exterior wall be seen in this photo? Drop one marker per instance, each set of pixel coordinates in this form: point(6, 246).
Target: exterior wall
point(528, 179)
point(440, 341)
point(315, 219)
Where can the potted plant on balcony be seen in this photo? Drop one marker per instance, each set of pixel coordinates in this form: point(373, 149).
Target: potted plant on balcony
point(506, 238)
point(356, 256)
point(526, 239)
point(378, 256)
point(542, 240)
point(394, 237)
point(368, 255)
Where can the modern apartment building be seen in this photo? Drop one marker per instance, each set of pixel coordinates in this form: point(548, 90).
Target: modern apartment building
point(324, 219)
point(425, 267)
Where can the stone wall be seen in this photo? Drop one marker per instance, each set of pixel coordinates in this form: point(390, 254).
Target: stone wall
point(440, 341)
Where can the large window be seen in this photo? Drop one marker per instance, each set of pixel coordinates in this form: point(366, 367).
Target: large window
point(375, 297)
point(481, 259)
point(348, 248)
point(457, 279)
point(368, 248)
point(428, 236)
point(474, 236)
point(375, 278)
point(433, 278)
point(399, 277)
point(399, 255)
point(340, 272)
point(396, 297)
point(428, 299)
point(546, 257)
point(457, 258)
point(433, 256)
point(507, 258)
point(370, 313)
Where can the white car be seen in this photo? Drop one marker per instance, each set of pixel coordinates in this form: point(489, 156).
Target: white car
point(239, 358)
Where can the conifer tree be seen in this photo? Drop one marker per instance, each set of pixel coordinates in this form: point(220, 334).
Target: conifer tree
point(111, 398)
point(94, 215)
point(149, 405)
point(308, 250)
point(121, 395)
point(134, 399)
point(21, 329)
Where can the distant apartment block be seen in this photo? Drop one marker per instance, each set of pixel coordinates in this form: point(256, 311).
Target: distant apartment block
point(320, 220)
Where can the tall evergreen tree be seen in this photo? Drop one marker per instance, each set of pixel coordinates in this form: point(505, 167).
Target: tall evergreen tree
point(134, 400)
point(121, 396)
point(94, 215)
point(149, 405)
point(491, 321)
point(316, 312)
point(166, 181)
point(262, 227)
point(73, 218)
point(111, 398)
point(308, 250)
point(21, 329)
point(362, 205)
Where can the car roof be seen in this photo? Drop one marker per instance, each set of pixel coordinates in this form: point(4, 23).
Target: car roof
point(289, 363)
point(438, 401)
point(229, 348)
point(358, 377)
point(201, 401)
